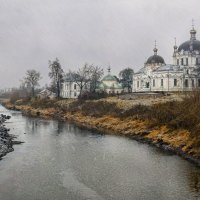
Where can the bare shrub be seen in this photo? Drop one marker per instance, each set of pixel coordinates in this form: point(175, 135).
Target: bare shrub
point(14, 97)
point(140, 111)
point(43, 103)
point(100, 108)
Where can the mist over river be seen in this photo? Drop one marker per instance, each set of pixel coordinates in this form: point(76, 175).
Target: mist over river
point(60, 161)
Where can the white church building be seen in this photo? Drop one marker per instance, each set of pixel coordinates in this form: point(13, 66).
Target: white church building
point(182, 75)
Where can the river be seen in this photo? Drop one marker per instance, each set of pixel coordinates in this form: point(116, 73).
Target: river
point(59, 161)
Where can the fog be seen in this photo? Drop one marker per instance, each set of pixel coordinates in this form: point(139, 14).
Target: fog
point(119, 33)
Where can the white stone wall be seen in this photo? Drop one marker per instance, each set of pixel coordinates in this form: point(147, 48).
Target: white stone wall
point(113, 91)
point(168, 80)
point(185, 55)
point(68, 90)
point(109, 83)
point(71, 90)
point(111, 87)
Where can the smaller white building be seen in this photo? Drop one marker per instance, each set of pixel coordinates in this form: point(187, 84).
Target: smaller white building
point(110, 84)
point(71, 89)
point(46, 94)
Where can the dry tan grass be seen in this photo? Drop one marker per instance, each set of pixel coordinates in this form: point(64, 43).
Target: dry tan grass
point(160, 116)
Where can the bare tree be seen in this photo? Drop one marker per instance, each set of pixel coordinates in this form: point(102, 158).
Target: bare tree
point(82, 77)
point(126, 76)
point(32, 80)
point(97, 73)
point(88, 75)
point(56, 74)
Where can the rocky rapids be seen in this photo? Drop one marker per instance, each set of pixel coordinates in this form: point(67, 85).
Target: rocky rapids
point(6, 139)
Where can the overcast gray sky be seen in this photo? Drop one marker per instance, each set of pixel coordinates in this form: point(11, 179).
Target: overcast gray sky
point(119, 33)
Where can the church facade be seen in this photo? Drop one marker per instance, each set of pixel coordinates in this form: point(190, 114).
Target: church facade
point(182, 75)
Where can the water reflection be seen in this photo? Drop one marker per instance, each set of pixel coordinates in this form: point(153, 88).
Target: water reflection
point(194, 180)
point(31, 126)
point(60, 127)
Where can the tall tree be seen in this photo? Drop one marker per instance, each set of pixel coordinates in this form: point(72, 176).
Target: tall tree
point(97, 73)
point(56, 74)
point(126, 76)
point(32, 80)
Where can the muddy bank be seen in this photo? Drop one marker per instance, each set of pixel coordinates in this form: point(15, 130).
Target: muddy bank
point(172, 141)
point(6, 140)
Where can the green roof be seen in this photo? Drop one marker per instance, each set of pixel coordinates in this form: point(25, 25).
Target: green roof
point(103, 86)
point(109, 78)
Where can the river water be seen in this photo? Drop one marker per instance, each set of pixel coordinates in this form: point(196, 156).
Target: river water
point(59, 161)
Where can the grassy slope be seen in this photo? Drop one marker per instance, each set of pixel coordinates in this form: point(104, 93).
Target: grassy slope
point(174, 123)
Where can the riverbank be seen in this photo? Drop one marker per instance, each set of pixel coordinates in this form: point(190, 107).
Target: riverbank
point(6, 140)
point(115, 118)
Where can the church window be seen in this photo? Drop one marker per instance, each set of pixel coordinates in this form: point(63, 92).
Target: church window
point(147, 84)
point(175, 82)
point(75, 86)
point(177, 61)
point(198, 82)
point(187, 61)
point(181, 61)
point(192, 82)
point(197, 61)
point(138, 84)
point(154, 83)
point(161, 83)
point(186, 82)
point(75, 94)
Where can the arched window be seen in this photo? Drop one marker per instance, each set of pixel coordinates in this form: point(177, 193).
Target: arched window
point(175, 82)
point(138, 84)
point(161, 82)
point(181, 61)
point(187, 61)
point(192, 82)
point(154, 83)
point(186, 82)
